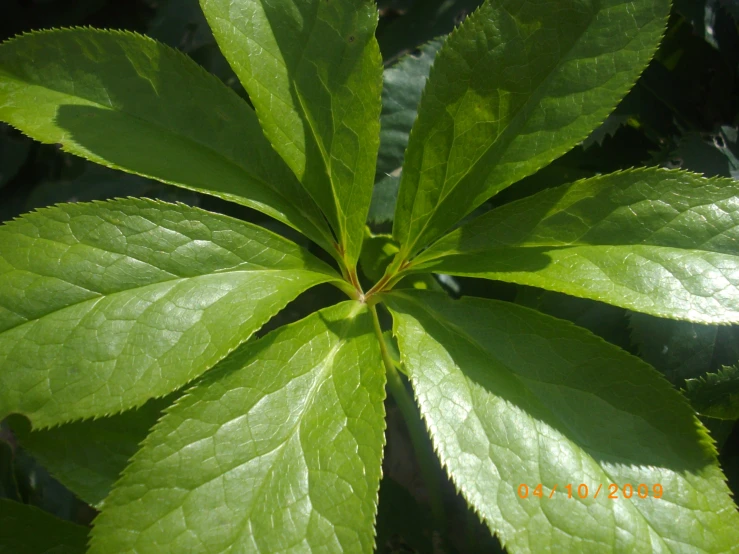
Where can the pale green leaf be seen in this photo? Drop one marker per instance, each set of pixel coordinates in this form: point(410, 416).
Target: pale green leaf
point(28, 530)
point(128, 102)
point(313, 71)
point(87, 457)
point(401, 92)
point(513, 397)
point(715, 394)
point(661, 242)
point(516, 86)
point(105, 305)
point(277, 450)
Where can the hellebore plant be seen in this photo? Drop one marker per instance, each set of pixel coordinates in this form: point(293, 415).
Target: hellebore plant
point(277, 443)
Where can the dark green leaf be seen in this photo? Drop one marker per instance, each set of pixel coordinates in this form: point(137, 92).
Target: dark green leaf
point(683, 350)
point(87, 457)
point(402, 87)
point(28, 530)
point(715, 394)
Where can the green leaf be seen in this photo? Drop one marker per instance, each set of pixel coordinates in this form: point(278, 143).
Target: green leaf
point(378, 251)
point(130, 103)
point(514, 397)
point(716, 394)
point(278, 449)
point(516, 86)
point(13, 154)
point(105, 305)
point(604, 320)
point(401, 92)
point(650, 240)
point(28, 530)
point(87, 457)
point(683, 350)
point(420, 22)
point(8, 481)
point(313, 71)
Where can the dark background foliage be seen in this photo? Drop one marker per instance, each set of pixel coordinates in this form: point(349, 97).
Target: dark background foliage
point(683, 113)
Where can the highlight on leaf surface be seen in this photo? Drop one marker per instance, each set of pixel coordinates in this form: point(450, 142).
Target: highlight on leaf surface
point(661, 242)
point(513, 397)
point(517, 85)
point(314, 74)
point(105, 305)
point(128, 102)
point(278, 448)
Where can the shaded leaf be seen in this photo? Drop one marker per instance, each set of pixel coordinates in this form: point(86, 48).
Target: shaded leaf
point(515, 86)
point(682, 350)
point(13, 154)
point(313, 71)
point(513, 397)
point(130, 103)
point(715, 394)
point(402, 87)
point(28, 530)
point(87, 457)
point(105, 305)
point(650, 240)
point(278, 449)
point(423, 21)
point(608, 322)
point(378, 251)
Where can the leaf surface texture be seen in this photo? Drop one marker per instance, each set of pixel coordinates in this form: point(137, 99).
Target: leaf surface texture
point(314, 74)
point(651, 240)
point(277, 450)
point(517, 85)
point(131, 103)
point(105, 305)
point(512, 397)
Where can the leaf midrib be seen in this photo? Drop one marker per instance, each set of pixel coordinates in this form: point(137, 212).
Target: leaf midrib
point(321, 378)
point(189, 139)
point(318, 382)
point(450, 255)
point(536, 94)
point(99, 297)
point(455, 329)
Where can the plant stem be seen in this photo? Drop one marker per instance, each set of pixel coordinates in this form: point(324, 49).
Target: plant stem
point(415, 426)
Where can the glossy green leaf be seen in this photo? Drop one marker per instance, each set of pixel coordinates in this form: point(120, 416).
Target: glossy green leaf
point(514, 87)
point(513, 397)
point(655, 241)
point(105, 305)
point(278, 449)
point(403, 84)
point(715, 394)
point(130, 103)
point(28, 530)
point(87, 457)
point(313, 71)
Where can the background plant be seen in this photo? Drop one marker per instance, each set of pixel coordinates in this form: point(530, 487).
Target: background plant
point(249, 248)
